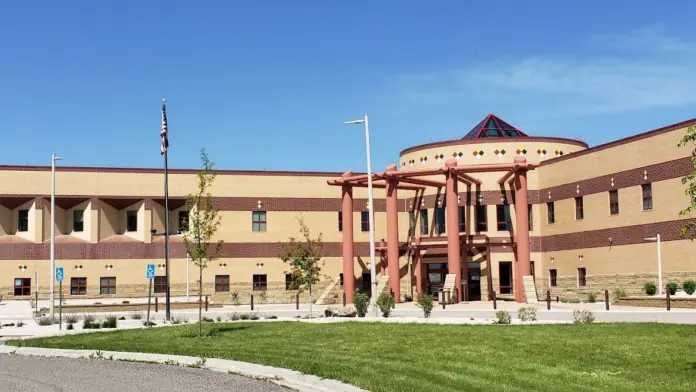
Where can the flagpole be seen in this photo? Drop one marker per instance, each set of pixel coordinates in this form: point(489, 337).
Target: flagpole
point(166, 226)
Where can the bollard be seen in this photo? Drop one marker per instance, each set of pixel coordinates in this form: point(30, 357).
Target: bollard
point(297, 301)
point(156, 304)
point(344, 299)
point(669, 300)
point(606, 298)
point(548, 299)
point(495, 304)
point(442, 298)
point(206, 303)
point(252, 302)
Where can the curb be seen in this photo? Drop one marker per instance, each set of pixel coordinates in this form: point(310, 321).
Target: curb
point(283, 377)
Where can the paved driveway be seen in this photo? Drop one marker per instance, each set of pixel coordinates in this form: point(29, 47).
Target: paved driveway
point(36, 374)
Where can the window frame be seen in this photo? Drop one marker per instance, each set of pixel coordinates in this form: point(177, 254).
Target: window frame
point(412, 223)
point(183, 221)
point(506, 223)
point(22, 221)
point(159, 285)
point(440, 220)
point(553, 277)
point(289, 281)
point(365, 220)
point(78, 286)
point(550, 212)
point(461, 215)
point(648, 198)
point(340, 221)
point(222, 283)
point(579, 208)
point(22, 287)
point(131, 214)
point(259, 221)
point(582, 277)
point(81, 221)
point(614, 207)
point(530, 217)
point(481, 217)
point(424, 229)
point(108, 286)
point(258, 284)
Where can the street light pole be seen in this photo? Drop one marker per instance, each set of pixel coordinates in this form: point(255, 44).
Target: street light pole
point(370, 205)
point(54, 158)
point(659, 262)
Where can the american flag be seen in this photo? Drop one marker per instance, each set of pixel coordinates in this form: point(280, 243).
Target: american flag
point(163, 131)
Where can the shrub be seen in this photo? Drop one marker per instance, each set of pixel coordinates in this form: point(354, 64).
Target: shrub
point(619, 293)
point(254, 316)
point(44, 321)
point(218, 319)
point(672, 288)
point(244, 316)
point(125, 302)
point(70, 327)
point(263, 297)
point(234, 316)
point(207, 319)
point(425, 302)
point(179, 320)
point(151, 323)
point(271, 317)
point(689, 287)
point(527, 313)
point(583, 316)
point(235, 299)
point(385, 302)
point(361, 302)
point(502, 317)
point(86, 324)
point(408, 298)
point(89, 318)
point(20, 324)
point(591, 298)
point(72, 318)
point(136, 315)
point(650, 288)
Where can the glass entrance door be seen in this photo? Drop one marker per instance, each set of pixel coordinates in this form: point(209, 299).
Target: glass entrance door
point(505, 276)
point(474, 282)
point(436, 277)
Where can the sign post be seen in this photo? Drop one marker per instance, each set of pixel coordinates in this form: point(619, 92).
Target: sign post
point(59, 277)
point(150, 276)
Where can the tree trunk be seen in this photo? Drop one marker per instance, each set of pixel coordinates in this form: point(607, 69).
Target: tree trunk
point(200, 301)
point(310, 301)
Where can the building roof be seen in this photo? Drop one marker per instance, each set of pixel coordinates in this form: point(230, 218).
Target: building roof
point(493, 126)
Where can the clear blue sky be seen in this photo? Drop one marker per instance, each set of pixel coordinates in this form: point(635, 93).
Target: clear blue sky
point(268, 84)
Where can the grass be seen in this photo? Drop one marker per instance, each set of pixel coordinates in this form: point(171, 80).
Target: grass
point(391, 357)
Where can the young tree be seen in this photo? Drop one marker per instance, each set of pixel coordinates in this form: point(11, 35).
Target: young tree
point(688, 229)
point(203, 224)
point(304, 257)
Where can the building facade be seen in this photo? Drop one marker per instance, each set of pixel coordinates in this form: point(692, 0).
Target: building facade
point(447, 210)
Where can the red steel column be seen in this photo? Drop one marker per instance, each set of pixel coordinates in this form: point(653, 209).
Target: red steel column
point(348, 246)
point(393, 236)
point(452, 213)
point(522, 230)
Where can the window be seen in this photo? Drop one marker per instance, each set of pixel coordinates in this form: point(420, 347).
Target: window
point(132, 221)
point(411, 223)
point(365, 220)
point(462, 219)
point(78, 220)
point(22, 286)
point(23, 220)
point(259, 283)
point(258, 221)
point(582, 277)
point(614, 202)
point(579, 208)
point(289, 282)
point(340, 276)
point(222, 283)
point(530, 216)
point(160, 285)
point(440, 226)
point(553, 276)
point(78, 286)
point(503, 215)
point(424, 222)
point(366, 282)
point(340, 220)
point(107, 285)
point(647, 196)
point(481, 218)
point(183, 221)
point(551, 212)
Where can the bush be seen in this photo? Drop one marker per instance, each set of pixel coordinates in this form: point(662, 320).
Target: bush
point(235, 298)
point(385, 302)
point(527, 313)
point(110, 321)
point(361, 302)
point(244, 316)
point(71, 318)
point(254, 316)
point(126, 302)
point(234, 316)
point(583, 316)
point(649, 288)
point(89, 318)
point(136, 315)
point(179, 320)
point(591, 298)
point(45, 321)
point(87, 324)
point(19, 324)
point(689, 287)
point(502, 317)
point(70, 327)
point(425, 302)
point(408, 298)
point(619, 293)
point(151, 323)
point(672, 288)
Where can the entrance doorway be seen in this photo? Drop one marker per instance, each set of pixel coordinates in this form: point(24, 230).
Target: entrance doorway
point(505, 277)
point(474, 282)
point(436, 277)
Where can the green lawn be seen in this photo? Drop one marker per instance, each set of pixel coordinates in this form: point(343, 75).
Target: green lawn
point(392, 357)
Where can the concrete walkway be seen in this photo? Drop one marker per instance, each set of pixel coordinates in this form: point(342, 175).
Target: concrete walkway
point(283, 377)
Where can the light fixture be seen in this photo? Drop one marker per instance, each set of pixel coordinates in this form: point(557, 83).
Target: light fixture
point(580, 258)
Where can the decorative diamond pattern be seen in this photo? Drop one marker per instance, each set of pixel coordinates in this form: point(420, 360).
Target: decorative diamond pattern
point(558, 153)
point(423, 160)
point(521, 151)
point(478, 153)
point(223, 265)
point(259, 265)
point(541, 151)
point(439, 157)
point(109, 267)
point(78, 267)
point(411, 162)
point(499, 152)
point(161, 266)
point(22, 268)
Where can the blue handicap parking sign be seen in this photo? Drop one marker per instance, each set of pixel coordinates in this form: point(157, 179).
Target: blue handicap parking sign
point(151, 271)
point(59, 274)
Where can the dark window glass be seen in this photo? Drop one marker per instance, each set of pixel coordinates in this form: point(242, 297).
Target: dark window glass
point(78, 220)
point(259, 283)
point(160, 285)
point(614, 202)
point(365, 220)
point(551, 212)
point(582, 277)
point(440, 225)
point(258, 220)
point(481, 218)
point(411, 224)
point(462, 219)
point(78, 286)
point(424, 222)
point(530, 218)
point(131, 220)
point(553, 275)
point(289, 280)
point(107, 285)
point(579, 208)
point(340, 220)
point(222, 283)
point(23, 220)
point(647, 196)
point(366, 282)
point(503, 215)
point(22, 286)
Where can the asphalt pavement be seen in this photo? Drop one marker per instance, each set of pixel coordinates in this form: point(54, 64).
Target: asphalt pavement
point(38, 374)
